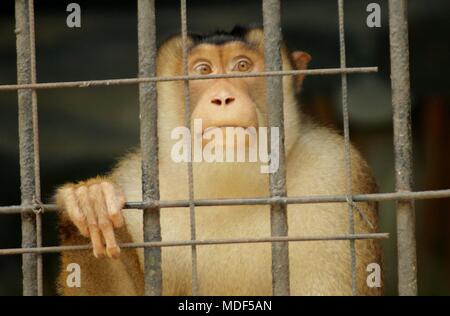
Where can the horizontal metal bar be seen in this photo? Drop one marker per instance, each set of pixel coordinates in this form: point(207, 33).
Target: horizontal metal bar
point(55, 249)
point(114, 82)
point(395, 196)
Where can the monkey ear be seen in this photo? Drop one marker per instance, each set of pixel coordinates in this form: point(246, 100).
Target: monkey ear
point(300, 62)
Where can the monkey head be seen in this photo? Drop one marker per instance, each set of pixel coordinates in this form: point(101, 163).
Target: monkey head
point(225, 102)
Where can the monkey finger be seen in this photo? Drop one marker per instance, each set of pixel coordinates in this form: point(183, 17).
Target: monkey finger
point(115, 200)
point(112, 248)
point(67, 200)
point(97, 244)
point(97, 199)
point(91, 217)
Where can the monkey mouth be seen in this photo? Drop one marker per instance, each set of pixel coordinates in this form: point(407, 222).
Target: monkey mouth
point(230, 136)
point(209, 130)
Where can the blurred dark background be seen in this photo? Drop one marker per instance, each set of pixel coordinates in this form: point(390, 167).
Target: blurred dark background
point(82, 131)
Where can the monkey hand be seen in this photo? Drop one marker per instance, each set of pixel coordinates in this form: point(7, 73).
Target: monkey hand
point(95, 208)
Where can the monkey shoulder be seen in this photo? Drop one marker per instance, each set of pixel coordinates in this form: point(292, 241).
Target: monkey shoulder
point(319, 154)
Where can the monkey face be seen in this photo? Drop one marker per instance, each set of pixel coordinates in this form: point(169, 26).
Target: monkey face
point(231, 102)
point(222, 104)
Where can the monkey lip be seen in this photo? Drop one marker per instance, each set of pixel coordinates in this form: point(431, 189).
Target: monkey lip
point(223, 127)
point(210, 129)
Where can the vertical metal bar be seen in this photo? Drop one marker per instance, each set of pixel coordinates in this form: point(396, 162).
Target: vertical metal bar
point(401, 103)
point(149, 144)
point(347, 159)
point(40, 266)
point(187, 119)
point(26, 145)
point(278, 211)
point(40, 285)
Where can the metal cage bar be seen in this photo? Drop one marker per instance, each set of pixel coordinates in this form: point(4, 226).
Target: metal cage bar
point(401, 103)
point(374, 197)
point(187, 118)
point(125, 81)
point(28, 142)
point(37, 173)
point(178, 243)
point(347, 159)
point(149, 144)
point(277, 179)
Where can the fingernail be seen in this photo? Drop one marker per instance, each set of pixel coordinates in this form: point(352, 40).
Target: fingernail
point(114, 252)
point(99, 255)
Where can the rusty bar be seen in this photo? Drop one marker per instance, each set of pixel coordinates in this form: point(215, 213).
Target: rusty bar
point(37, 173)
point(149, 144)
point(380, 197)
point(187, 118)
point(401, 103)
point(127, 81)
point(159, 244)
point(26, 146)
point(278, 210)
point(347, 159)
point(39, 266)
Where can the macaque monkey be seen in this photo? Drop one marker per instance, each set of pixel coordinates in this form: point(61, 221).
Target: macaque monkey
point(92, 209)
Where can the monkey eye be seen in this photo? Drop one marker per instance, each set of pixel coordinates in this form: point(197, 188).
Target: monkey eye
point(203, 69)
point(243, 65)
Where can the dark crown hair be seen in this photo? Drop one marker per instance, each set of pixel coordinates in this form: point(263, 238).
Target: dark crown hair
point(220, 37)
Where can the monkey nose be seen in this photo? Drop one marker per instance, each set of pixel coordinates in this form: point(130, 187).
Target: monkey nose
point(222, 100)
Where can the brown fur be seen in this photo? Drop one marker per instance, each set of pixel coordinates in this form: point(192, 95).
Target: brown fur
point(315, 166)
point(96, 273)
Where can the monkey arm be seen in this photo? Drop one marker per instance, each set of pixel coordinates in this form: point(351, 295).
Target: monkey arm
point(92, 210)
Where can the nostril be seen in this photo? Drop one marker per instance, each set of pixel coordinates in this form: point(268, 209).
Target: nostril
point(229, 100)
point(216, 101)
